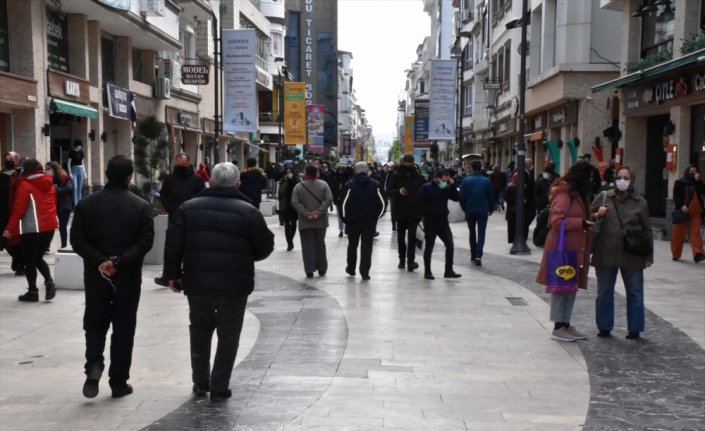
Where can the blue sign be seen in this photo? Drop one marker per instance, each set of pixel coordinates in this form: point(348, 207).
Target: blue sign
point(420, 120)
point(120, 102)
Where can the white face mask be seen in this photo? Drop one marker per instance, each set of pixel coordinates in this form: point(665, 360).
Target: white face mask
point(622, 185)
point(546, 175)
point(290, 175)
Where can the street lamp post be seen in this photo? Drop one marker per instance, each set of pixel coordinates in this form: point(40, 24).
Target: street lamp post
point(280, 97)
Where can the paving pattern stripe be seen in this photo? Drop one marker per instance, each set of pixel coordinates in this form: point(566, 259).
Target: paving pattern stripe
point(654, 383)
point(272, 385)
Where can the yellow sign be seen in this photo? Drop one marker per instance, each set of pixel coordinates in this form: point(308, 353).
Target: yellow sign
point(294, 113)
point(409, 134)
point(358, 149)
point(566, 272)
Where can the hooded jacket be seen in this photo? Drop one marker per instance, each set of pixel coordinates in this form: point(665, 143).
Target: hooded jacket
point(179, 187)
point(34, 206)
point(685, 188)
point(362, 200)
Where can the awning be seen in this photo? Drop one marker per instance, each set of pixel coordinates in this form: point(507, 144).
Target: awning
point(652, 71)
point(74, 108)
point(256, 146)
point(533, 137)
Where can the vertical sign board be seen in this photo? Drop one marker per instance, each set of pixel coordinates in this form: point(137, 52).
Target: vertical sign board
point(57, 41)
point(4, 38)
point(347, 149)
point(239, 87)
point(421, 120)
point(316, 120)
point(358, 148)
point(408, 134)
point(294, 113)
point(442, 122)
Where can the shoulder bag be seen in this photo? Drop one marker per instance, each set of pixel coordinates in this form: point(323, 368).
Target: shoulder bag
point(312, 194)
point(561, 267)
point(635, 242)
point(678, 216)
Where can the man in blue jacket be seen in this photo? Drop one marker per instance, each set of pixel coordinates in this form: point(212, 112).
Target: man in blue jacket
point(362, 205)
point(433, 199)
point(211, 249)
point(477, 201)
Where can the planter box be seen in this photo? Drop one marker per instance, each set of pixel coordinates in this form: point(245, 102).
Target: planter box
point(156, 254)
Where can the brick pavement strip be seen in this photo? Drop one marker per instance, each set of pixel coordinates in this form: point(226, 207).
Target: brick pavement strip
point(438, 355)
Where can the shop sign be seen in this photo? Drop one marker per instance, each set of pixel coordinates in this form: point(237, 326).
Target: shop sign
point(565, 114)
point(185, 119)
point(665, 91)
point(120, 102)
point(700, 81)
point(263, 78)
point(4, 38)
point(491, 85)
point(72, 88)
point(421, 120)
point(57, 41)
point(670, 89)
point(194, 74)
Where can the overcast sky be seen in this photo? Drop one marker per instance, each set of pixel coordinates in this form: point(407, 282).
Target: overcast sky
point(383, 36)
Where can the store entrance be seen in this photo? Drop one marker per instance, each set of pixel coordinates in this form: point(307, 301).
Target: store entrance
point(656, 190)
point(60, 138)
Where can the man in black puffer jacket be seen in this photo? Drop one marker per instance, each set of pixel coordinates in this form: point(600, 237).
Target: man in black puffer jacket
point(402, 189)
point(211, 249)
point(362, 205)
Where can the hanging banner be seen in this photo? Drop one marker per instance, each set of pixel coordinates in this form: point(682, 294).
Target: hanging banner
point(294, 113)
point(57, 34)
point(239, 87)
point(358, 148)
point(120, 102)
point(4, 38)
point(316, 119)
point(408, 134)
point(421, 120)
point(347, 148)
point(442, 120)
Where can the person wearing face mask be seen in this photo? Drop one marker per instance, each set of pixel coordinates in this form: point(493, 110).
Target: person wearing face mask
point(433, 199)
point(8, 184)
point(543, 186)
point(64, 197)
point(178, 187)
point(403, 187)
point(78, 172)
point(688, 196)
point(286, 210)
point(609, 258)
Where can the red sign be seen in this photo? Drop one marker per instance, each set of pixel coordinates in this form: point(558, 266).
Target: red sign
point(192, 74)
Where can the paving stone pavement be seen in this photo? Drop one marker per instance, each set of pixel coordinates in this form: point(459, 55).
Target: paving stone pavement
point(396, 352)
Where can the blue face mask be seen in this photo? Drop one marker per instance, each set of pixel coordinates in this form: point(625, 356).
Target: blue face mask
point(442, 184)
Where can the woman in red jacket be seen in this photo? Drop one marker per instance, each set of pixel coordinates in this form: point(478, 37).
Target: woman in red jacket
point(33, 219)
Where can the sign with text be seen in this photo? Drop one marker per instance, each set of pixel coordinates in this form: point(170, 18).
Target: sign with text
point(57, 41)
point(239, 87)
point(491, 85)
point(4, 38)
point(294, 113)
point(442, 120)
point(316, 121)
point(408, 134)
point(192, 74)
point(120, 102)
point(421, 120)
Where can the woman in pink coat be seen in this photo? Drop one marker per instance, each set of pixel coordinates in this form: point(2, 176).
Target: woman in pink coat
point(569, 200)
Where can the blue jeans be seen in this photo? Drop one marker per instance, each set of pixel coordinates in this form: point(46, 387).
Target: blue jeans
point(477, 237)
point(77, 176)
point(562, 307)
point(604, 304)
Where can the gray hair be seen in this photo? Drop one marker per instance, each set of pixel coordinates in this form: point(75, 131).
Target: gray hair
point(361, 167)
point(225, 175)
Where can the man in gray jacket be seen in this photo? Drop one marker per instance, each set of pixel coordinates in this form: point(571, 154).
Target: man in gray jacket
point(311, 199)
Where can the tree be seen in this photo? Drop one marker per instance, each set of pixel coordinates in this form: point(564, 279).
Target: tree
point(395, 152)
point(151, 150)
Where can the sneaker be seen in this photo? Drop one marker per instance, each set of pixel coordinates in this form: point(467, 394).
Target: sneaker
point(290, 247)
point(477, 261)
point(365, 277)
point(221, 395)
point(699, 257)
point(340, 235)
point(161, 281)
point(604, 333)
point(29, 296)
point(451, 274)
point(412, 266)
point(200, 389)
point(572, 330)
point(50, 290)
point(321, 273)
point(562, 335)
point(121, 391)
point(429, 276)
point(309, 275)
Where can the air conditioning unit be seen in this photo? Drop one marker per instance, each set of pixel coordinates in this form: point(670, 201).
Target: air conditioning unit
point(162, 88)
point(152, 7)
point(170, 69)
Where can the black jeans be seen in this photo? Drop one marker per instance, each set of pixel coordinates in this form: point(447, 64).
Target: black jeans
point(445, 235)
point(290, 231)
point(106, 306)
point(33, 247)
point(356, 232)
point(406, 234)
point(64, 217)
point(208, 314)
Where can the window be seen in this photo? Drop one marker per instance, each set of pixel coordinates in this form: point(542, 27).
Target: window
point(493, 66)
point(187, 54)
point(656, 33)
point(263, 43)
point(507, 65)
point(467, 99)
point(467, 57)
point(422, 87)
point(500, 65)
point(137, 64)
point(107, 53)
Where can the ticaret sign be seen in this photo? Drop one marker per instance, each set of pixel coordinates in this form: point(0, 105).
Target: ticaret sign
point(192, 74)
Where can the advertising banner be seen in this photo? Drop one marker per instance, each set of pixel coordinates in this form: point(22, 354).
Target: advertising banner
point(408, 134)
point(347, 148)
point(316, 119)
point(421, 120)
point(239, 87)
point(4, 39)
point(57, 41)
point(294, 113)
point(442, 120)
point(120, 102)
point(358, 148)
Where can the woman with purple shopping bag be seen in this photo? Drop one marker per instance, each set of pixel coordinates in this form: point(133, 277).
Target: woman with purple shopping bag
point(570, 230)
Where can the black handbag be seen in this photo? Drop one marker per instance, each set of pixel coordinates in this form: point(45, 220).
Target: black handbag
point(541, 229)
point(636, 242)
point(678, 216)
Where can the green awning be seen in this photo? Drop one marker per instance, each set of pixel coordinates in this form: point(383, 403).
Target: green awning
point(74, 108)
point(652, 71)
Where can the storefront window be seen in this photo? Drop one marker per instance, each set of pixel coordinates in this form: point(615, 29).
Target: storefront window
point(136, 64)
point(657, 33)
point(107, 52)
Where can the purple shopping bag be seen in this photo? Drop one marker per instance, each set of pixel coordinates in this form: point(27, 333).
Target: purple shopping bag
point(561, 268)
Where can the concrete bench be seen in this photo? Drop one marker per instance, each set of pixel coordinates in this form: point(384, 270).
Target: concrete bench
point(68, 270)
